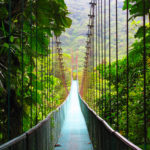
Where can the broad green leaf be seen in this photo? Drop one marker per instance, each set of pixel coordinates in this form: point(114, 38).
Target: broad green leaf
point(11, 38)
point(6, 45)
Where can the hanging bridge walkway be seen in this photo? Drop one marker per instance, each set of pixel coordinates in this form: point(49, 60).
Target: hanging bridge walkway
point(74, 134)
point(73, 126)
point(98, 114)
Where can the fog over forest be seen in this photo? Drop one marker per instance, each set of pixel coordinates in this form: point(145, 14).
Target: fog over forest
point(75, 37)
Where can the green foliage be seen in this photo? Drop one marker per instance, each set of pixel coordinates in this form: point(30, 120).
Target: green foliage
point(136, 7)
point(136, 82)
point(77, 33)
point(37, 24)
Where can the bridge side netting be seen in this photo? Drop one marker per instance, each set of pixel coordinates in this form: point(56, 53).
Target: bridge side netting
point(103, 137)
point(43, 136)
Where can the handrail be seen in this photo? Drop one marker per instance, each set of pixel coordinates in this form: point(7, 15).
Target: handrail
point(115, 133)
point(13, 141)
point(30, 131)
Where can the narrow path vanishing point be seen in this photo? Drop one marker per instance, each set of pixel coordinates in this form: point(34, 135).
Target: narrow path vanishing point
point(74, 133)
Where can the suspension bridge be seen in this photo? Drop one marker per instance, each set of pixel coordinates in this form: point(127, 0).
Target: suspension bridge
point(44, 105)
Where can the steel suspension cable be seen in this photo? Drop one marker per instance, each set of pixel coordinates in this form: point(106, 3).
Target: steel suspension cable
point(110, 61)
point(117, 125)
point(9, 66)
point(90, 36)
point(89, 85)
point(105, 54)
point(47, 74)
point(96, 53)
point(45, 101)
point(89, 42)
point(42, 77)
point(144, 67)
point(52, 70)
point(102, 49)
point(88, 59)
point(127, 32)
point(22, 62)
point(36, 119)
point(45, 80)
point(31, 67)
point(99, 60)
point(50, 74)
point(47, 67)
point(93, 47)
point(89, 76)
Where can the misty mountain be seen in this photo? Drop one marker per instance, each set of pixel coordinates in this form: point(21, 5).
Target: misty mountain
point(75, 37)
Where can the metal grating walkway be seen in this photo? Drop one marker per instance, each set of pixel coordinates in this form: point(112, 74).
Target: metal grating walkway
point(74, 134)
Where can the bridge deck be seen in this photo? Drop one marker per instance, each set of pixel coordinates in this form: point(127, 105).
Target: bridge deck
point(74, 134)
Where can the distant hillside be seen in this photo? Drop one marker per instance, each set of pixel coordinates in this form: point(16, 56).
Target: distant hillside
point(75, 37)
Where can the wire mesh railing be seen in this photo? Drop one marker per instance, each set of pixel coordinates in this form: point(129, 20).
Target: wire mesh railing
point(43, 136)
point(115, 80)
point(103, 137)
